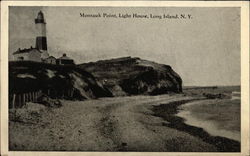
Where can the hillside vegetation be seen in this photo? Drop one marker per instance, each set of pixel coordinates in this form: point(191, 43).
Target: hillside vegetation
point(115, 77)
point(133, 76)
point(57, 81)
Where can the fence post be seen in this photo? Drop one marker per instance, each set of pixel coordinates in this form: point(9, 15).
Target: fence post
point(13, 101)
point(17, 99)
point(72, 93)
point(20, 100)
point(23, 99)
point(30, 96)
point(26, 97)
point(33, 95)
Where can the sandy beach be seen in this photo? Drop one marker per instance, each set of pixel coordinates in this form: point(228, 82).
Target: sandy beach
point(114, 124)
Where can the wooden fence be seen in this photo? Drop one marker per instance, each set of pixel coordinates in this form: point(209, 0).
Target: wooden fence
point(64, 93)
point(18, 100)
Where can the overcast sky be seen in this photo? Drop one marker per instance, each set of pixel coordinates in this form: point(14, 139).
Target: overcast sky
point(204, 50)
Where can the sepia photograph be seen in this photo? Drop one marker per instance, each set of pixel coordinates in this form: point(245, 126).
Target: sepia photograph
point(124, 79)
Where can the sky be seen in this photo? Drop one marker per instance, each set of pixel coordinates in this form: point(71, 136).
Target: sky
point(203, 50)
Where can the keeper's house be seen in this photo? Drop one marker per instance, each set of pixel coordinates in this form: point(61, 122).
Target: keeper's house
point(31, 54)
point(65, 60)
point(50, 60)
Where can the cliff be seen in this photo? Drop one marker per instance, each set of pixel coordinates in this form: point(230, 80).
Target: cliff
point(134, 76)
point(106, 78)
point(67, 82)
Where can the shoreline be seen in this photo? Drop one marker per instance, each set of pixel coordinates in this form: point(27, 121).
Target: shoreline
point(208, 121)
point(169, 113)
point(113, 124)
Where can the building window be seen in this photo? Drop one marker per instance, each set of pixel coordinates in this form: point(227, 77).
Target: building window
point(20, 58)
point(67, 62)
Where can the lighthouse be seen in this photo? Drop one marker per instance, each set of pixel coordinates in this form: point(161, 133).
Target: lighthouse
point(41, 39)
point(40, 53)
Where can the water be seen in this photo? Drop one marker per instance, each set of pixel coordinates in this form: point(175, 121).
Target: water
point(207, 125)
point(236, 95)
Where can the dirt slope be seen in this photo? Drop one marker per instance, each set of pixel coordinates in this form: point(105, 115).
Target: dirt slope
point(57, 81)
point(134, 76)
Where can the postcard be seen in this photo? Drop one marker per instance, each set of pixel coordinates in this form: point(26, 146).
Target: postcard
point(124, 78)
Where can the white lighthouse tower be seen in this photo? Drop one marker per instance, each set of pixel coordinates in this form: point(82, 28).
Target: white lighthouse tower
point(41, 39)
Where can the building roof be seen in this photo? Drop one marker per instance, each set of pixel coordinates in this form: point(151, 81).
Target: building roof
point(51, 57)
point(40, 15)
point(20, 51)
point(40, 18)
point(64, 57)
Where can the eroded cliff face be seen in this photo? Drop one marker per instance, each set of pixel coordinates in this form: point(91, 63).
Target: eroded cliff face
point(68, 82)
point(107, 78)
point(134, 76)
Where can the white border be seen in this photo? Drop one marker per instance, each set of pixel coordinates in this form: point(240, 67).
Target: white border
point(244, 5)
